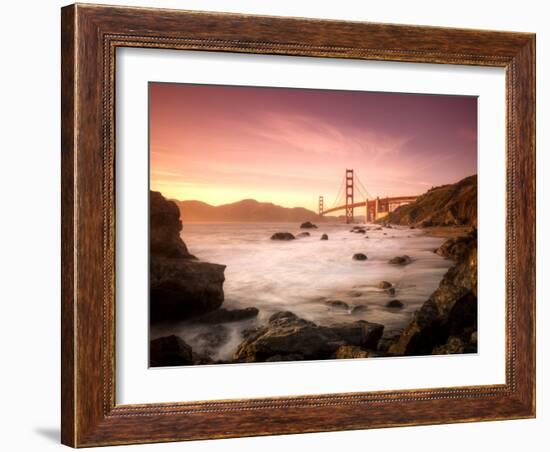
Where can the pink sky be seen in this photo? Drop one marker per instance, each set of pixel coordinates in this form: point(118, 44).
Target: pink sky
point(221, 144)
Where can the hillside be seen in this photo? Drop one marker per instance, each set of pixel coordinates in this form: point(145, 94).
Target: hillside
point(247, 210)
point(447, 205)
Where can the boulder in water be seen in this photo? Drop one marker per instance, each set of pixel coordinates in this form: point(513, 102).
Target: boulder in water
point(394, 304)
point(324, 237)
point(308, 225)
point(337, 304)
point(303, 234)
point(282, 236)
point(400, 260)
point(359, 257)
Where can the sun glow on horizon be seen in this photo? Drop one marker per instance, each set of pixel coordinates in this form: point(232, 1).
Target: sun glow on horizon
point(223, 144)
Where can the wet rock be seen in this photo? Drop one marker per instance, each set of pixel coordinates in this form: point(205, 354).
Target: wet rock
point(394, 304)
point(308, 225)
point(390, 291)
point(337, 304)
point(181, 289)
point(287, 336)
point(357, 309)
point(289, 357)
point(451, 311)
point(359, 257)
point(453, 345)
point(324, 237)
point(180, 285)
point(400, 260)
point(456, 247)
point(361, 333)
point(169, 351)
point(351, 351)
point(303, 234)
point(223, 315)
point(384, 285)
point(282, 236)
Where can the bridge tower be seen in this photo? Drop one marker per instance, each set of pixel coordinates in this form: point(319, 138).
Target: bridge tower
point(321, 202)
point(349, 196)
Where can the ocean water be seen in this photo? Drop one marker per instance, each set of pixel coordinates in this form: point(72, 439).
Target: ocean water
point(302, 274)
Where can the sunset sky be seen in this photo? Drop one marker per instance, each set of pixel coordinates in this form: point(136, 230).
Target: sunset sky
point(221, 144)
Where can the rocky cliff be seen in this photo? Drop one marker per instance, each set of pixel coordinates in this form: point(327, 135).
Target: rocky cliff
point(181, 286)
point(447, 322)
point(447, 205)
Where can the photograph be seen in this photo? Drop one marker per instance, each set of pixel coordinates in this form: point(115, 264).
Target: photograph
point(293, 224)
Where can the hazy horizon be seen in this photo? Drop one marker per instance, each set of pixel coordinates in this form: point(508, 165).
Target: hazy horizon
point(224, 144)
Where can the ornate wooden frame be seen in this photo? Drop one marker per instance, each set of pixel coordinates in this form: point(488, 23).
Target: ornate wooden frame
point(90, 35)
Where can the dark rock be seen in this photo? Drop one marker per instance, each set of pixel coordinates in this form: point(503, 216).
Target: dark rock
point(394, 304)
point(165, 228)
point(282, 236)
point(359, 257)
point(390, 291)
point(456, 247)
point(361, 333)
point(324, 237)
point(303, 234)
point(338, 304)
point(453, 345)
point(384, 285)
point(359, 308)
point(308, 225)
point(400, 260)
point(169, 351)
point(289, 357)
point(223, 315)
point(451, 311)
point(351, 351)
point(180, 289)
point(180, 286)
point(287, 336)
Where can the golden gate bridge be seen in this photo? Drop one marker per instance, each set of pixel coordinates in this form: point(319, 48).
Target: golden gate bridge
point(375, 207)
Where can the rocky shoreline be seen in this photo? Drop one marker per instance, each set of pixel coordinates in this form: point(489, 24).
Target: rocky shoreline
point(185, 289)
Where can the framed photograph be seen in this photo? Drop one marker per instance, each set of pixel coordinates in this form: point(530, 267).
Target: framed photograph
point(282, 225)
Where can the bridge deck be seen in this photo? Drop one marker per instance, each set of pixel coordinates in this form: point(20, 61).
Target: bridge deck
point(392, 200)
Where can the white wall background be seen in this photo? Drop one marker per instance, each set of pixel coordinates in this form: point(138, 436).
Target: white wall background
point(29, 247)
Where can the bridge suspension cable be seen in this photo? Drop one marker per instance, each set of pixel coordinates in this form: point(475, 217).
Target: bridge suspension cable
point(339, 194)
point(362, 189)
